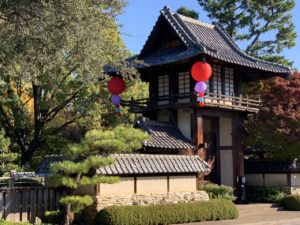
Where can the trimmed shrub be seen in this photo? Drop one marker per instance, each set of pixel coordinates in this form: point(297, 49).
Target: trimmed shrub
point(291, 202)
point(218, 209)
point(266, 194)
point(219, 191)
point(53, 217)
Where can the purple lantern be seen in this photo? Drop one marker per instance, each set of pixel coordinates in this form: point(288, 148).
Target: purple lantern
point(200, 87)
point(116, 99)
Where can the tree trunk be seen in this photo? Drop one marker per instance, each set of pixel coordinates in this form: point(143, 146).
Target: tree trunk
point(69, 216)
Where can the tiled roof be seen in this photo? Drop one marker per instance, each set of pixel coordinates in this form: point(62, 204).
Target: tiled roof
point(271, 166)
point(164, 135)
point(199, 37)
point(127, 164)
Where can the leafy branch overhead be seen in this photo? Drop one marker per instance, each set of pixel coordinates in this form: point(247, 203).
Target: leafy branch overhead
point(83, 159)
point(52, 55)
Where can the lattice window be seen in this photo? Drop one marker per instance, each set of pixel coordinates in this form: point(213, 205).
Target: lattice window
point(229, 81)
point(163, 86)
point(184, 85)
point(217, 79)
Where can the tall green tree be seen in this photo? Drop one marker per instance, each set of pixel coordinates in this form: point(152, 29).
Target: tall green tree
point(83, 159)
point(51, 59)
point(7, 158)
point(188, 12)
point(265, 25)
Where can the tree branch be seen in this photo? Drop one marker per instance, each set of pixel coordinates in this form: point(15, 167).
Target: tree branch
point(52, 113)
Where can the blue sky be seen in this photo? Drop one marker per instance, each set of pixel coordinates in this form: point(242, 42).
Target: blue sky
point(140, 16)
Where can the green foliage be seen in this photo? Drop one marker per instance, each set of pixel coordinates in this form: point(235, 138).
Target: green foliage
point(291, 202)
point(7, 158)
point(218, 209)
point(83, 160)
point(52, 55)
point(266, 194)
point(77, 202)
point(251, 21)
point(53, 217)
point(188, 12)
point(219, 192)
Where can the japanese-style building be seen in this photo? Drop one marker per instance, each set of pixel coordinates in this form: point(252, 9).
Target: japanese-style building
point(176, 123)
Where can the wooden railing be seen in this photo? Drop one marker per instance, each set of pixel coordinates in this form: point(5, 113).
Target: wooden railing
point(239, 103)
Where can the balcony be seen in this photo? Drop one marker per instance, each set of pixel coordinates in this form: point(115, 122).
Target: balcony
point(212, 100)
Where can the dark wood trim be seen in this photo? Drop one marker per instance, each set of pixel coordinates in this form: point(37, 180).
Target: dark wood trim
point(237, 154)
point(223, 80)
point(168, 184)
point(135, 185)
point(200, 138)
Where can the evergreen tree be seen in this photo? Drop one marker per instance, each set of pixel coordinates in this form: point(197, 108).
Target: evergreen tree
point(251, 21)
point(188, 12)
point(7, 158)
point(83, 159)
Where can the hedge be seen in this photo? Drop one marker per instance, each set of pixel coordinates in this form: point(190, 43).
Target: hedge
point(219, 191)
point(291, 202)
point(216, 209)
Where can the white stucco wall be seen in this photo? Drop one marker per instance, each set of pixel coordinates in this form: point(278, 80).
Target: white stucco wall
point(276, 180)
point(152, 185)
point(225, 131)
point(295, 179)
point(226, 167)
point(182, 183)
point(184, 122)
point(254, 179)
point(124, 187)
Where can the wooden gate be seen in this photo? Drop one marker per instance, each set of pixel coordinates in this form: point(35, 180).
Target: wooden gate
point(24, 204)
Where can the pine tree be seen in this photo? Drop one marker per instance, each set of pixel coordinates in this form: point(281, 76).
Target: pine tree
point(250, 21)
point(7, 158)
point(83, 159)
point(188, 12)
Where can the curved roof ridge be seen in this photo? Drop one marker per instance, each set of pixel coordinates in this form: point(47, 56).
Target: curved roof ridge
point(168, 14)
point(233, 44)
point(197, 42)
point(199, 22)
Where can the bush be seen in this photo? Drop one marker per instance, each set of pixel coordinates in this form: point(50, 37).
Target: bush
point(266, 194)
point(219, 192)
point(291, 202)
point(53, 217)
point(218, 209)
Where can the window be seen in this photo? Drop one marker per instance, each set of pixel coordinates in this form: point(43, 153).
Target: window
point(229, 81)
point(184, 83)
point(217, 79)
point(163, 86)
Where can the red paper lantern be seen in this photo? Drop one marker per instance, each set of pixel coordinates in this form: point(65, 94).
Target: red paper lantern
point(201, 71)
point(201, 104)
point(116, 85)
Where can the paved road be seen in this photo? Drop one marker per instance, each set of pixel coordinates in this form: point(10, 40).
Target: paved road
point(259, 214)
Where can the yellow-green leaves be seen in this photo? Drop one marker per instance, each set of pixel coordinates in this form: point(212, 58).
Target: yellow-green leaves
point(77, 202)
